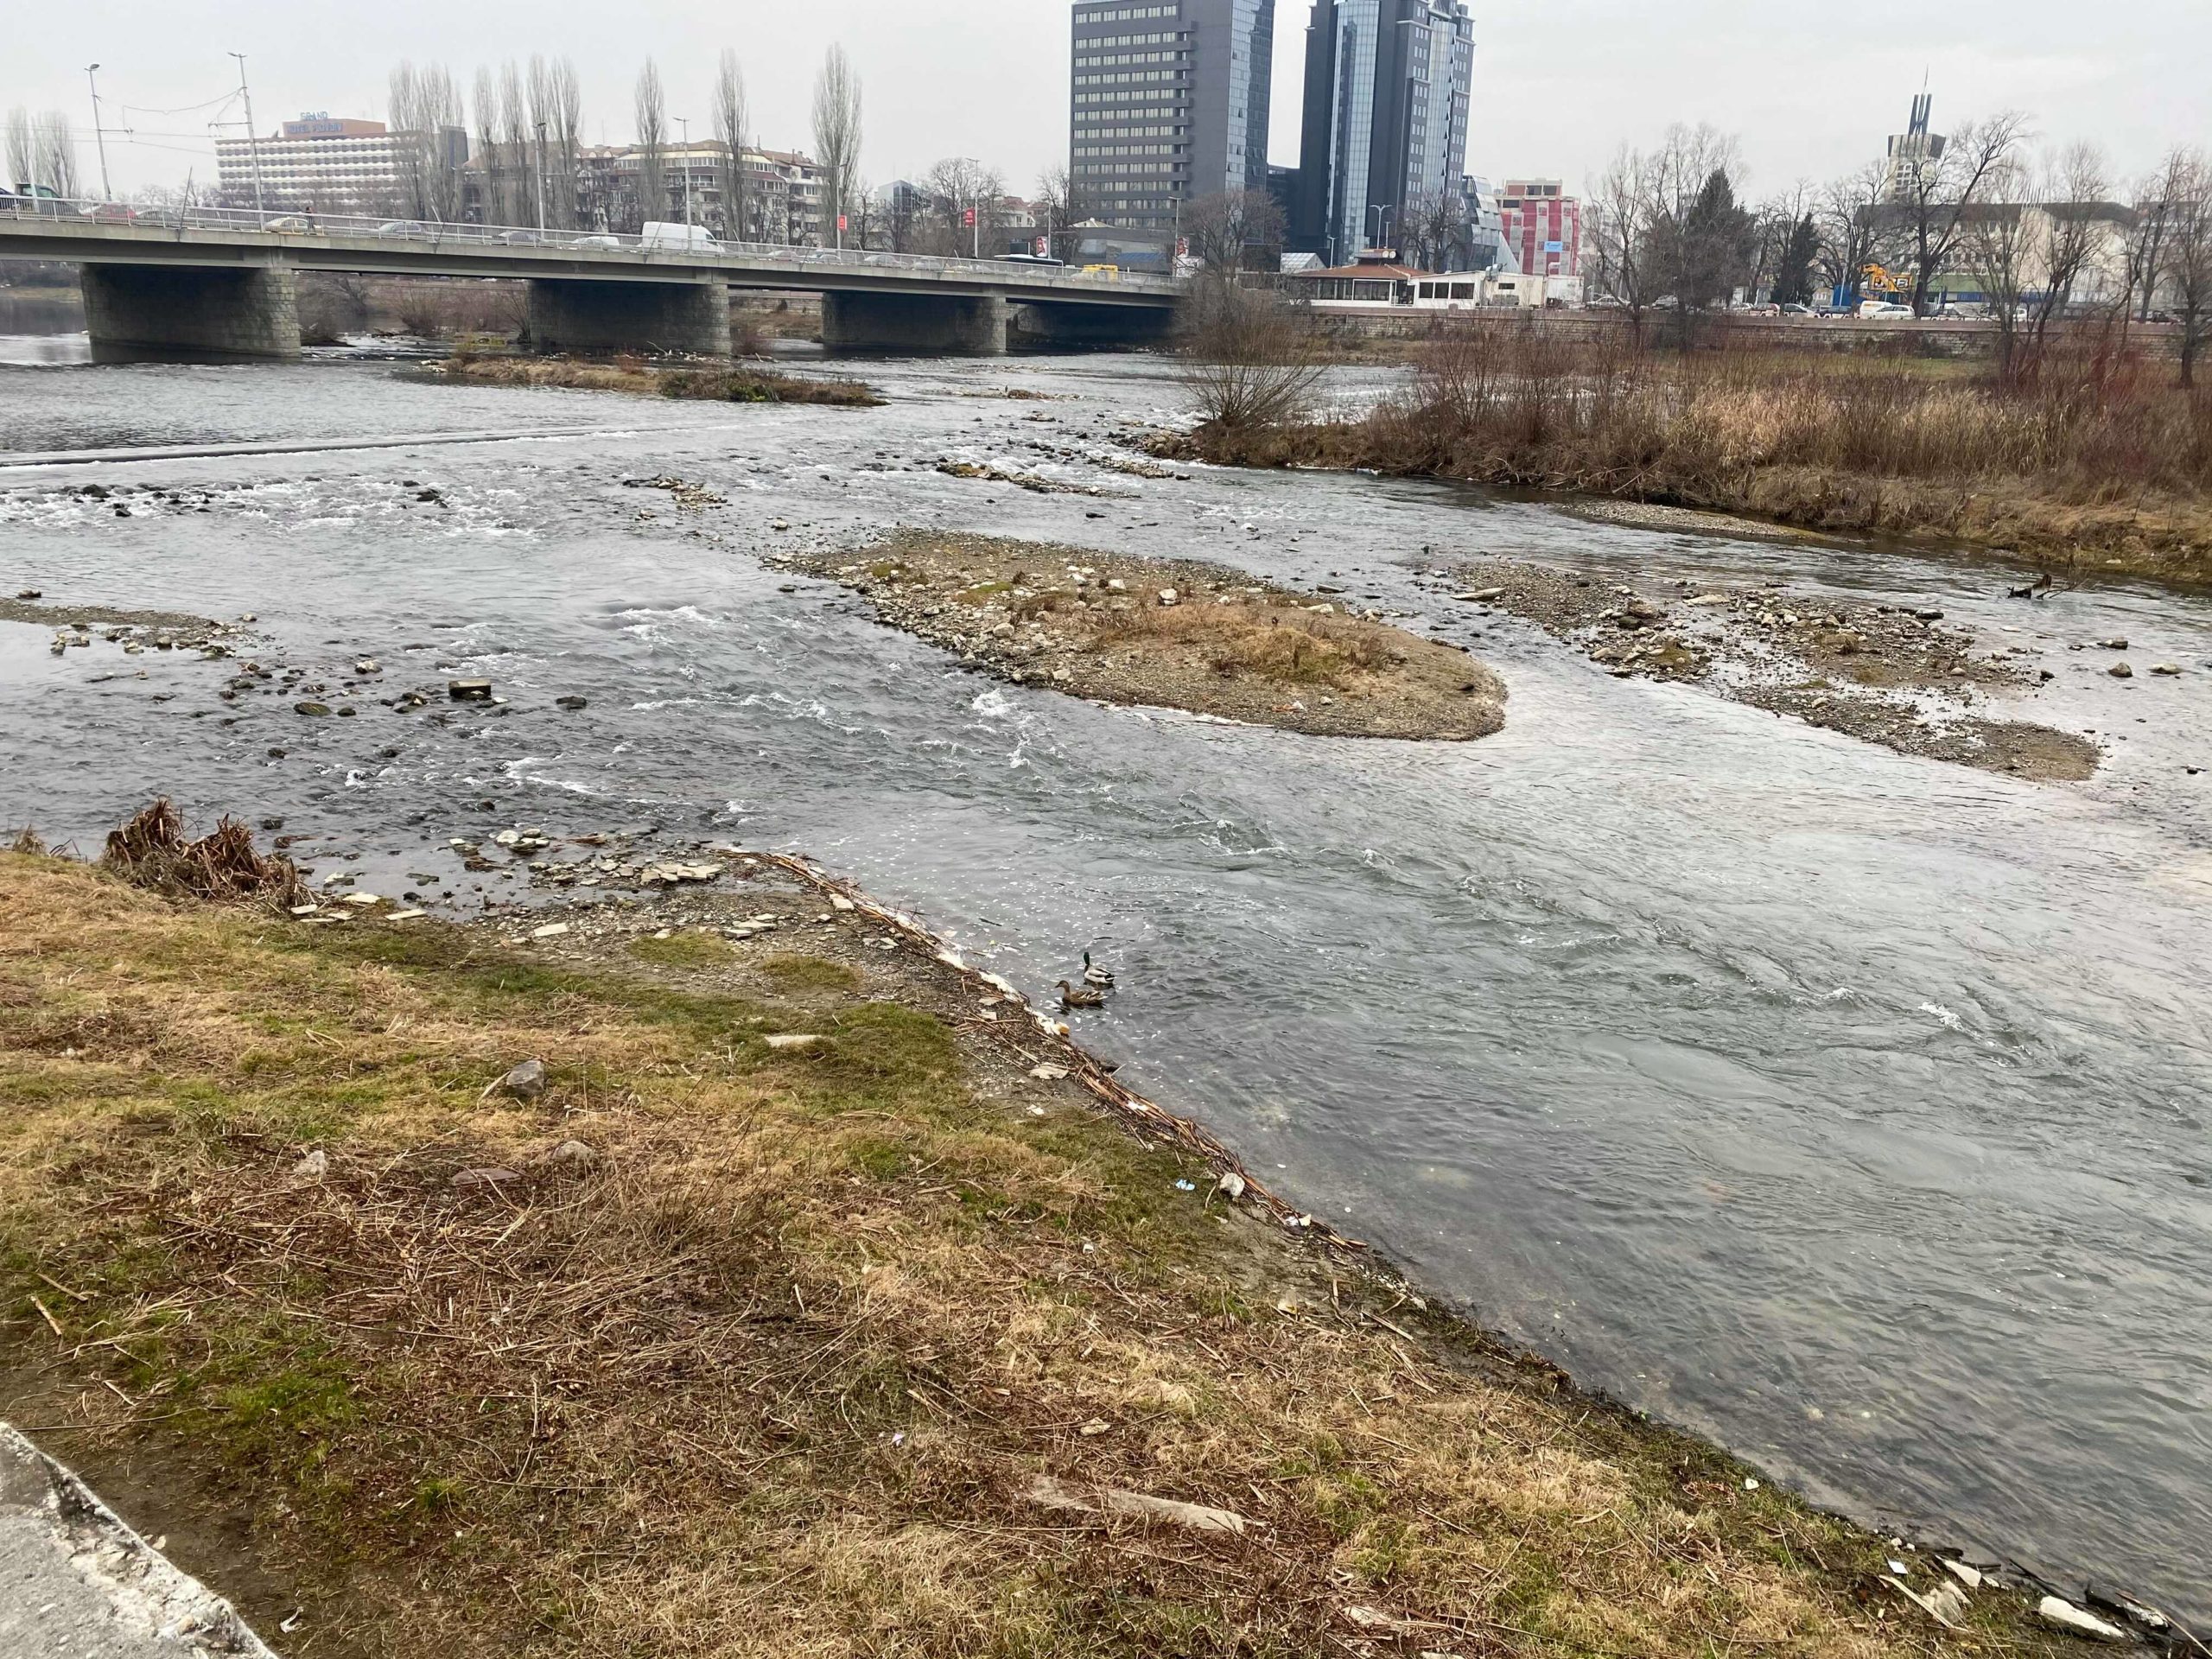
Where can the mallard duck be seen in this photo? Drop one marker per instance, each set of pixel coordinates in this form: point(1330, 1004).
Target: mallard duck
point(1093, 975)
point(1072, 996)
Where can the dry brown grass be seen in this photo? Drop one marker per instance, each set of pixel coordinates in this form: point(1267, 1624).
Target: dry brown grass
point(1276, 642)
point(731, 385)
point(771, 1377)
point(151, 852)
point(2089, 457)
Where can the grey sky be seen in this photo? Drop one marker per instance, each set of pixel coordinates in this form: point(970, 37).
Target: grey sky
point(1558, 86)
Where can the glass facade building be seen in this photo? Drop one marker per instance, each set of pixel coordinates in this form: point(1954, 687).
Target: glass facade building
point(1170, 100)
point(1388, 89)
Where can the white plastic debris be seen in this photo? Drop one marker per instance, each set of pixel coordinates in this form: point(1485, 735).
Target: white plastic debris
point(2056, 1609)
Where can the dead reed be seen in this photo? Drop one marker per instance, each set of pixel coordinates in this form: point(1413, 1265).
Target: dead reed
point(151, 852)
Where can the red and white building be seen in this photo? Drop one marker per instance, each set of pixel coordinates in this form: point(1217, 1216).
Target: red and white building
point(1543, 226)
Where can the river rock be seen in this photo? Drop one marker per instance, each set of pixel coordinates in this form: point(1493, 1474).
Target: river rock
point(469, 691)
point(571, 704)
point(2120, 671)
point(2168, 669)
point(523, 1082)
point(572, 1154)
point(2112, 644)
point(314, 710)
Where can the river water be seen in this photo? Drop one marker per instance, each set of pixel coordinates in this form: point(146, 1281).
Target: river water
point(1850, 1109)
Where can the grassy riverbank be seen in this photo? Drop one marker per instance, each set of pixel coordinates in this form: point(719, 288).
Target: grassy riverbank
point(737, 384)
point(854, 1344)
point(2093, 460)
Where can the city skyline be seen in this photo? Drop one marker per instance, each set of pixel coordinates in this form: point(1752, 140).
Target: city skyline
point(1556, 91)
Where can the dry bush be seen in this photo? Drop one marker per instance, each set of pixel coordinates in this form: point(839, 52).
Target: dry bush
point(1252, 358)
point(150, 851)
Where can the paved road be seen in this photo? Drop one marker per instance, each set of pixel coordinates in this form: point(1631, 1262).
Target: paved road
point(75, 1583)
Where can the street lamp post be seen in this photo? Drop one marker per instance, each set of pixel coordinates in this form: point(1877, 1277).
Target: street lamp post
point(541, 176)
point(252, 138)
point(99, 133)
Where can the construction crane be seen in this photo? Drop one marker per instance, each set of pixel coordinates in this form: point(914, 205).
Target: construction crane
point(1882, 280)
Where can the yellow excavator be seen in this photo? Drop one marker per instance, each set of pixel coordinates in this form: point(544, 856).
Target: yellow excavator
point(1880, 279)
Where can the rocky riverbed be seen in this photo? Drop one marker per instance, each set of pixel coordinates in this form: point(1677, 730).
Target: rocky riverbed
point(1170, 634)
point(1899, 675)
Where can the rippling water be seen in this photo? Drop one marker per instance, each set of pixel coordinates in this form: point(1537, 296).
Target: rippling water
point(1846, 1107)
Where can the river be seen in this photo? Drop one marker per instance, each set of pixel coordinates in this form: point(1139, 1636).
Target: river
point(1850, 1108)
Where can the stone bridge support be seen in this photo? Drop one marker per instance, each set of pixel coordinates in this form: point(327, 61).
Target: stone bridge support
point(575, 314)
point(188, 314)
point(950, 325)
point(1075, 326)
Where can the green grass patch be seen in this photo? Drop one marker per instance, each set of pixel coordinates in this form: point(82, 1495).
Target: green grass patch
point(790, 973)
point(693, 950)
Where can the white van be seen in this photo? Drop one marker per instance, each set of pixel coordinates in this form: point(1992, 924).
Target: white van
point(684, 238)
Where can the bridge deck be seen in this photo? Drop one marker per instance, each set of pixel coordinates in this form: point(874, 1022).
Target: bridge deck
point(211, 238)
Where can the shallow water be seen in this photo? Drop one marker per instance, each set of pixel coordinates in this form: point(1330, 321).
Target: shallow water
point(1849, 1108)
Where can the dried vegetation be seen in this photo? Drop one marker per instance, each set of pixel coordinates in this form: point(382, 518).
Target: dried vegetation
point(2085, 457)
point(857, 1349)
point(738, 384)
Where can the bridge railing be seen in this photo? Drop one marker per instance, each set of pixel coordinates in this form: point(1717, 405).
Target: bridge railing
point(705, 250)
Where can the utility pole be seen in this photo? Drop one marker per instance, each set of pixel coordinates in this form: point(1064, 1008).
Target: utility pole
point(541, 176)
point(686, 125)
point(252, 138)
point(99, 133)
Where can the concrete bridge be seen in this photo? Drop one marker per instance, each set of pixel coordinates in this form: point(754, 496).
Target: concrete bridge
point(218, 284)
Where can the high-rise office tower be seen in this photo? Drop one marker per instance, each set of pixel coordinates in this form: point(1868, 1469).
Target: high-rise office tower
point(1388, 86)
point(1169, 104)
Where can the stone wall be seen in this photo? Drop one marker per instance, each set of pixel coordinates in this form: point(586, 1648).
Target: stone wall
point(182, 313)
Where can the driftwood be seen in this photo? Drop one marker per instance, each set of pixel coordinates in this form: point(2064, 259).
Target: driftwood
point(150, 851)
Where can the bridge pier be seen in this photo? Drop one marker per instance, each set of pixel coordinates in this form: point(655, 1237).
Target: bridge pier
point(1075, 326)
point(575, 314)
point(951, 325)
point(187, 314)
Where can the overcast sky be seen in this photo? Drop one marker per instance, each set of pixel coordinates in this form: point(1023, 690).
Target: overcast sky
point(1810, 89)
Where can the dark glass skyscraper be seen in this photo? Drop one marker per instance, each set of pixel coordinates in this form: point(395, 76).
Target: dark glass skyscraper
point(1387, 85)
point(1170, 103)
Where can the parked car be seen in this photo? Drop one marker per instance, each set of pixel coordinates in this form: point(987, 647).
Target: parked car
point(1885, 309)
point(1793, 309)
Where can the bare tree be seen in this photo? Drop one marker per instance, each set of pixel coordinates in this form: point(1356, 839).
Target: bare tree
point(1224, 229)
point(837, 132)
point(1429, 229)
point(731, 124)
point(1999, 244)
point(959, 186)
point(2146, 240)
point(1060, 199)
point(1253, 358)
point(1935, 194)
point(652, 113)
point(1851, 224)
point(2067, 230)
point(553, 121)
point(426, 103)
point(22, 149)
point(56, 163)
point(2188, 259)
